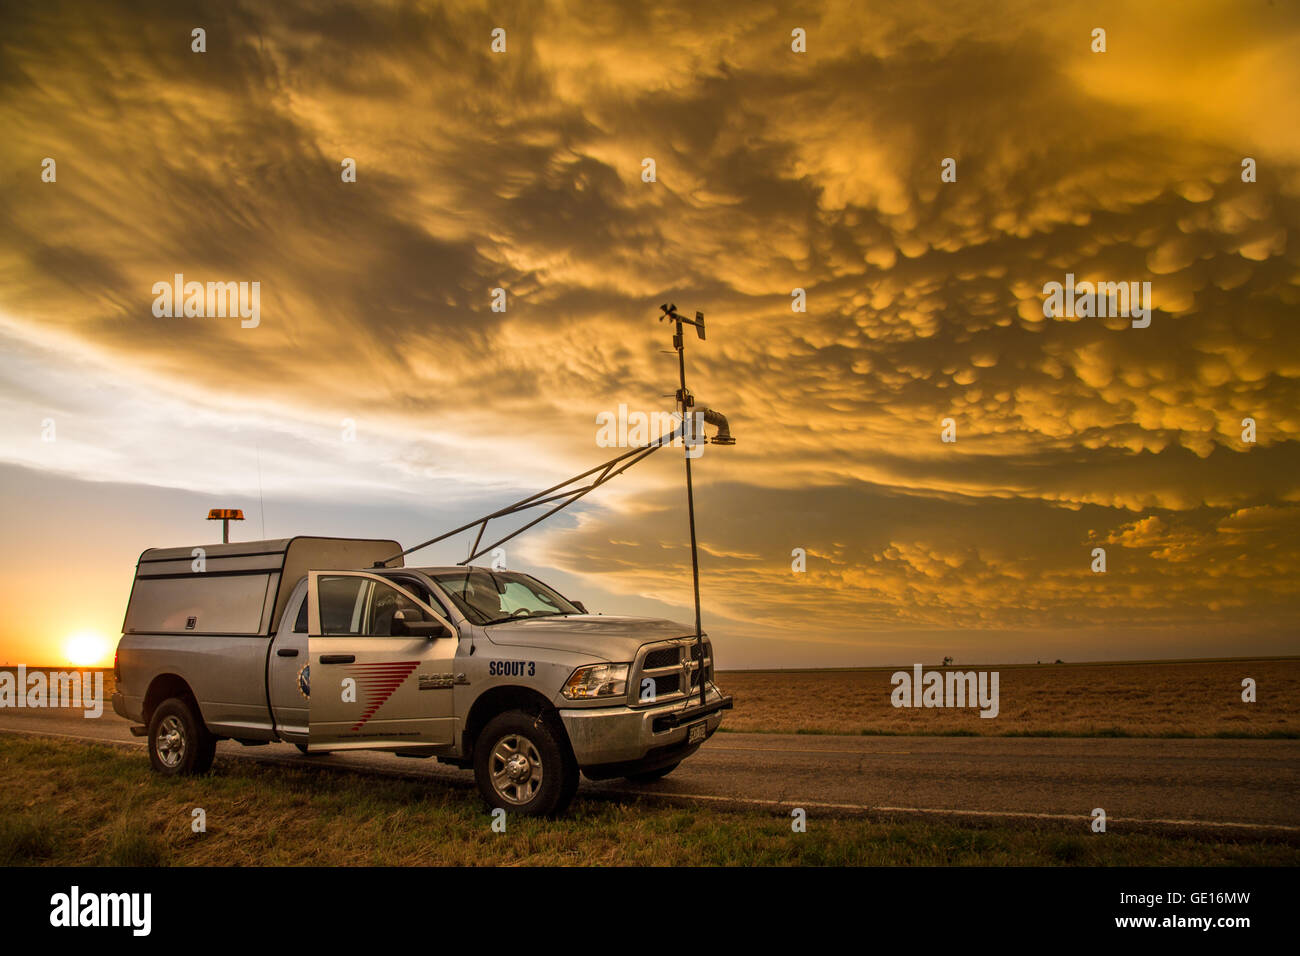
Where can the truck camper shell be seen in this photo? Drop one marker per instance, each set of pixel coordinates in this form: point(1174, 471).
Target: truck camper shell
point(242, 588)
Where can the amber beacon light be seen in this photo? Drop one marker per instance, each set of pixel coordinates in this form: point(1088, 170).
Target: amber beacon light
point(225, 516)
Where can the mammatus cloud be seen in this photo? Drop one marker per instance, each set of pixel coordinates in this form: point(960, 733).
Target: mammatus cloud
point(775, 171)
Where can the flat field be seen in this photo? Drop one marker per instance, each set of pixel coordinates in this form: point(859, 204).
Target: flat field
point(1143, 699)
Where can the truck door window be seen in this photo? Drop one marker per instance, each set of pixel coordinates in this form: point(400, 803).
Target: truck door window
point(359, 607)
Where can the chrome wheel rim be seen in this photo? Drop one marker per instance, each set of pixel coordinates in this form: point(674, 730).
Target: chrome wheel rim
point(171, 741)
point(515, 767)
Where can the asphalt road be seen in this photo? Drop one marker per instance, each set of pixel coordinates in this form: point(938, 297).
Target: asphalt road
point(1224, 785)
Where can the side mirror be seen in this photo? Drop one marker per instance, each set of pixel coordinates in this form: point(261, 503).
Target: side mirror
point(412, 622)
point(580, 606)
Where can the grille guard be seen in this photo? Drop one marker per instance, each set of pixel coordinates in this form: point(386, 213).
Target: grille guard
point(678, 717)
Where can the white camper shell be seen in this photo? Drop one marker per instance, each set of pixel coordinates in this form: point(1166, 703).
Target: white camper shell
point(235, 590)
point(204, 619)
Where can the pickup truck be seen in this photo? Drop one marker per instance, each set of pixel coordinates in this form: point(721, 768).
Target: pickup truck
point(319, 643)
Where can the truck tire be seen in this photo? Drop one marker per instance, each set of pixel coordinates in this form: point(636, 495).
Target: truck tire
point(522, 764)
point(650, 776)
point(179, 743)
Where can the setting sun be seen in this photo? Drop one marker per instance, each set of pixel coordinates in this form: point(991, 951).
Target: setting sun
point(86, 649)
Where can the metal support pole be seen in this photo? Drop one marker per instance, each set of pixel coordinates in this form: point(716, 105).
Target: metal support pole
point(679, 343)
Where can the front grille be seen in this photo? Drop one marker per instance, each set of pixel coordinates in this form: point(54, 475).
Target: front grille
point(663, 664)
point(666, 684)
point(667, 657)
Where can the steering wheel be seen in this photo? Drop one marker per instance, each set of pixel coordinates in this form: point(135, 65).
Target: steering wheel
point(521, 612)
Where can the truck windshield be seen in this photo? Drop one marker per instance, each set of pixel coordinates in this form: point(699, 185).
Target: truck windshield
point(491, 597)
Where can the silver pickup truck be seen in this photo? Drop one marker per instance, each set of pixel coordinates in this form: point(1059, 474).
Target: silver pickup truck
point(305, 640)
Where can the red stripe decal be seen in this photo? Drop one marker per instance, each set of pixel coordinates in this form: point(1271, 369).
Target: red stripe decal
point(378, 682)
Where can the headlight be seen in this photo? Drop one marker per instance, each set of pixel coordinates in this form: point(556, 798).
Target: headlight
point(597, 680)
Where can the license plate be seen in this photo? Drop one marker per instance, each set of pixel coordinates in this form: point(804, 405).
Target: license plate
point(696, 733)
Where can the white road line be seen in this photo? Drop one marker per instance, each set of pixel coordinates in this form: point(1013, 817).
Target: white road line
point(787, 750)
point(754, 801)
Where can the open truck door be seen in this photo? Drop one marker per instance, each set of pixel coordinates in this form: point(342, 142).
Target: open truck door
point(382, 665)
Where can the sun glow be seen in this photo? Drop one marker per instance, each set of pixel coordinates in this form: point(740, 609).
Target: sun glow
point(86, 649)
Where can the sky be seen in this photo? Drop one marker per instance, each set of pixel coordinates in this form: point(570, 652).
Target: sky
point(380, 395)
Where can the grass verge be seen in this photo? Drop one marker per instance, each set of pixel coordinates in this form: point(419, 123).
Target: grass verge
point(65, 803)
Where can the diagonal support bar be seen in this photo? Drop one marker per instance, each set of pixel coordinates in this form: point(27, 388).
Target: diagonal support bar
point(559, 492)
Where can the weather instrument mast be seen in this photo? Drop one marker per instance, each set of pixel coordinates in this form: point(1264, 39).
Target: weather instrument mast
point(690, 429)
point(693, 422)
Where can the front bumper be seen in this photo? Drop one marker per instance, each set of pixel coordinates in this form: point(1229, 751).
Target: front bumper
point(623, 735)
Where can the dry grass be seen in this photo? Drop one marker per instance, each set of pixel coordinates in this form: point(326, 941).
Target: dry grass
point(1191, 699)
point(63, 803)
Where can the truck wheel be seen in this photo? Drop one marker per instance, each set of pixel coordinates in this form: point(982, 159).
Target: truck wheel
point(179, 743)
point(522, 765)
point(650, 776)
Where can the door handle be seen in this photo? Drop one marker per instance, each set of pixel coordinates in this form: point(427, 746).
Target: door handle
point(337, 658)
point(287, 652)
